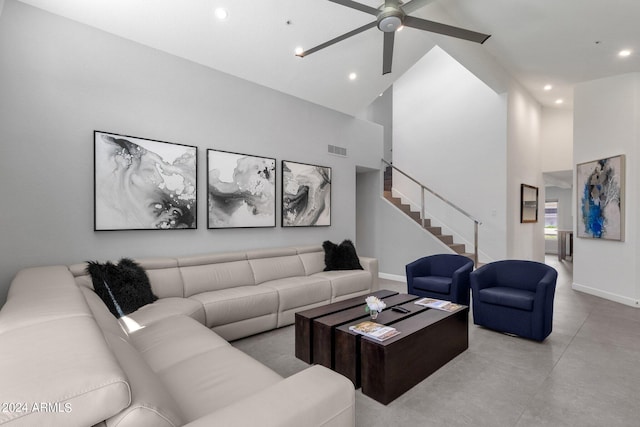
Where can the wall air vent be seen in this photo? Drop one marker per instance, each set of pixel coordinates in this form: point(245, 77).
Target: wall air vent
point(338, 151)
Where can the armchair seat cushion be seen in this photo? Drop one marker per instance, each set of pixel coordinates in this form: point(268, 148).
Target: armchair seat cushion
point(508, 297)
point(439, 284)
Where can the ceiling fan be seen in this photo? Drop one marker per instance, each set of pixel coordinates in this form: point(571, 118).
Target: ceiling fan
point(392, 15)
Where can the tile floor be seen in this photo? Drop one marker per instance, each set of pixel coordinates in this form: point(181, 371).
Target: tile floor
point(586, 373)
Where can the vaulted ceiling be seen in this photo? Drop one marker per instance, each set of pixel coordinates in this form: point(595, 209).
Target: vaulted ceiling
point(542, 42)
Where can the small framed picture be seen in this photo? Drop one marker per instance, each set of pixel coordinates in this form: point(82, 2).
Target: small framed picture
point(529, 203)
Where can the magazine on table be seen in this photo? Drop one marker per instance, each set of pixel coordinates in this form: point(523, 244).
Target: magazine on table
point(438, 304)
point(375, 330)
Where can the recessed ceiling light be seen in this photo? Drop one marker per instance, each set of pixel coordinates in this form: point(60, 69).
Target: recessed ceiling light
point(559, 101)
point(624, 53)
point(548, 87)
point(221, 13)
point(299, 50)
point(353, 76)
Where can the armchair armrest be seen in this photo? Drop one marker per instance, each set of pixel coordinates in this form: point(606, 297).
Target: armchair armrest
point(483, 277)
point(316, 396)
point(418, 268)
point(546, 288)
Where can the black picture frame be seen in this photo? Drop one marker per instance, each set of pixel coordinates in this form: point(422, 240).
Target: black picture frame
point(306, 195)
point(528, 204)
point(143, 184)
point(241, 190)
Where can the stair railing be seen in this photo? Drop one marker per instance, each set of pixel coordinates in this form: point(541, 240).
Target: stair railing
point(476, 222)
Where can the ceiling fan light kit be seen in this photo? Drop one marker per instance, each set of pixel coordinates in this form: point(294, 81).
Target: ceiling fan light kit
point(390, 17)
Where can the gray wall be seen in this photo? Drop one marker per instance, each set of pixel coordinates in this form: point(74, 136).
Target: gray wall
point(396, 240)
point(62, 80)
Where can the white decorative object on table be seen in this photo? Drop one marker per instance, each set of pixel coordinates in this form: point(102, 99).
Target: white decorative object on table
point(374, 306)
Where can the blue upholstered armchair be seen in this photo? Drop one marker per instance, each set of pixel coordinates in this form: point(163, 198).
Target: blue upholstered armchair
point(514, 296)
point(444, 276)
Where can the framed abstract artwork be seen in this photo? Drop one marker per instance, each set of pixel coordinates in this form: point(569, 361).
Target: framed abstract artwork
point(528, 203)
point(600, 196)
point(241, 190)
point(306, 195)
point(143, 184)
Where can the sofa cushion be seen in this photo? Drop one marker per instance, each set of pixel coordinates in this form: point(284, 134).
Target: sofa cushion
point(151, 404)
point(508, 297)
point(275, 264)
point(340, 257)
point(347, 282)
point(164, 276)
point(173, 340)
point(124, 287)
point(236, 304)
point(298, 293)
point(217, 378)
point(29, 302)
point(65, 363)
point(213, 277)
point(161, 309)
point(312, 260)
point(439, 284)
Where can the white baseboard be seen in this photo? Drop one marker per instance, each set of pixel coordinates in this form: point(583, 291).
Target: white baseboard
point(394, 277)
point(606, 295)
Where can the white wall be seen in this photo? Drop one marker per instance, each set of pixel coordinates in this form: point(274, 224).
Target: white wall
point(524, 166)
point(557, 139)
point(607, 123)
point(62, 80)
point(449, 132)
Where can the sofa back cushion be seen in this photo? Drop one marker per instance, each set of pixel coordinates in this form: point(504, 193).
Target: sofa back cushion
point(215, 272)
point(163, 273)
point(272, 264)
point(54, 353)
point(312, 258)
point(151, 404)
point(66, 365)
point(164, 276)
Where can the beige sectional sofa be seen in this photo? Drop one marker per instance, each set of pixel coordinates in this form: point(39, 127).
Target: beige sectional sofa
point(67, 361)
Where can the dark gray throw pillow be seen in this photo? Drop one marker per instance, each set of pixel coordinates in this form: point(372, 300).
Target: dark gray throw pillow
point(340, 257)
point(124, 287)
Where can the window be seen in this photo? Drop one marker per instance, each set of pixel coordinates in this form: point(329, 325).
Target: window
point(551, 219)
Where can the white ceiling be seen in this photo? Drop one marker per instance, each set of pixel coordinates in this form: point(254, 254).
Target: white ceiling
point(560, 42)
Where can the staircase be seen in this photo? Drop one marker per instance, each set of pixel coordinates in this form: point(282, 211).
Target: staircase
point(458, 248)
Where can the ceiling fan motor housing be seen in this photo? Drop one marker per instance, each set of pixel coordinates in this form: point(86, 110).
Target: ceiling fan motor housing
point(390, 19)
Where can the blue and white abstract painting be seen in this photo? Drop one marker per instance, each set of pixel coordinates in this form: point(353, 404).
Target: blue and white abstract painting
point(242, 190)
point(142, 184)
point(600, 194)
point(306, 195)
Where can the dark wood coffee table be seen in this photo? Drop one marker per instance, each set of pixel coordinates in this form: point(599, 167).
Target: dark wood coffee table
point(428, 339)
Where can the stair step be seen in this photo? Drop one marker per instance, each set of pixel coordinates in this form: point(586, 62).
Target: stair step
point(436, 231)
point(446, 238)
point(458, 248)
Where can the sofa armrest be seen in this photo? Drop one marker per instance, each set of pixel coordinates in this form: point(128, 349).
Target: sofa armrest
point(316, 396)
point(371, 265)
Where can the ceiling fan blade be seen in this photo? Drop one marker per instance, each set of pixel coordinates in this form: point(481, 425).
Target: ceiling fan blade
point(358, 6)
point(447, 30)
point(387, 54)
point(414, 5)
point(337, 39)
